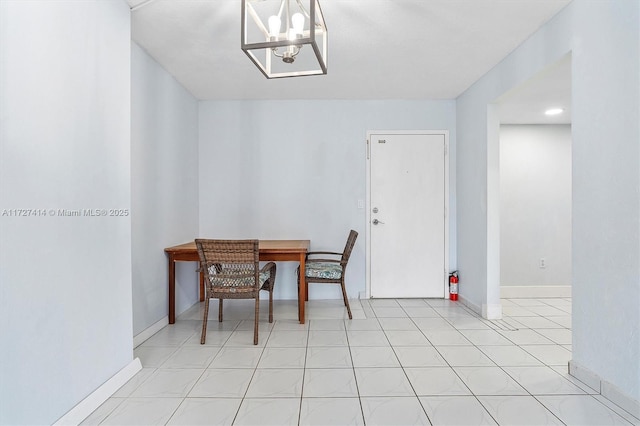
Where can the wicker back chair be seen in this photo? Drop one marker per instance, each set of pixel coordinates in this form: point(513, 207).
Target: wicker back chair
point(330, 270)
point(231, 270)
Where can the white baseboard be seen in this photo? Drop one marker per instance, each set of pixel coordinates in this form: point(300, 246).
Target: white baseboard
point(585, 376)
point(466, 302)
point(606, 389)
point(490, 312)
point(534, 291)
point(150, 331)
point(88, 405)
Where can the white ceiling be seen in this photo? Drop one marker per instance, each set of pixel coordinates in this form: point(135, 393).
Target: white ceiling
point(378, 49)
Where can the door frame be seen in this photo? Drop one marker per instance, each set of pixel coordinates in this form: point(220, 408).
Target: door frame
point(445, 133)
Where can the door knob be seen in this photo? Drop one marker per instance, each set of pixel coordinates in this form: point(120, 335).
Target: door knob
point(376, 221)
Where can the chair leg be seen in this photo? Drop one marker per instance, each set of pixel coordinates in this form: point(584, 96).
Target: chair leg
point(346, 300)
point(220, 310)
point(203, 336)
point(271, 303)
point(257, 317)
point(298, 292)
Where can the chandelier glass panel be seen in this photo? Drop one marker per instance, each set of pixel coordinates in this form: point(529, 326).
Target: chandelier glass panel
point(285, 38)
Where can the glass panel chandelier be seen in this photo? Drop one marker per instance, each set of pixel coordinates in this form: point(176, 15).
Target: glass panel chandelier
point(285, 38)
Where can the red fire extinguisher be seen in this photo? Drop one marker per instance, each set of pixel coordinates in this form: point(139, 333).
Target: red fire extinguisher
point(453, 286)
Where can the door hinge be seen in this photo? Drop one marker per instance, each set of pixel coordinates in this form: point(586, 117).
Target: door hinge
point(368, 153)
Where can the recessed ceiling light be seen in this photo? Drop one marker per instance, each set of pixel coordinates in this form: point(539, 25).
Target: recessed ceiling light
point(554, 111)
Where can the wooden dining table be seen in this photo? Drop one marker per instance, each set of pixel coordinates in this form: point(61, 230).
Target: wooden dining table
point(270, 250)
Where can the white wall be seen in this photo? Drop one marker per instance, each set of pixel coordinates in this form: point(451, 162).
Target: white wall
point(603, 39)
point(164, 187)
point(606, 192)
point(65, 291)
point(535, 205)
point(296, 169)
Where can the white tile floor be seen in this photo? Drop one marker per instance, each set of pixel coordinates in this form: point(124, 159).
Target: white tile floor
point(398, 362)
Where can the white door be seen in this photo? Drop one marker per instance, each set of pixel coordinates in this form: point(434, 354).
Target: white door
point(407, 202)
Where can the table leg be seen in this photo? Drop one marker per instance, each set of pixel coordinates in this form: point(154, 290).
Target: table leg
point(302, 291)
point(172, 290)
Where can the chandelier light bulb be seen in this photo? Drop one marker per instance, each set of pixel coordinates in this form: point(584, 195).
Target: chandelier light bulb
point(297, 21)
point(274, 27)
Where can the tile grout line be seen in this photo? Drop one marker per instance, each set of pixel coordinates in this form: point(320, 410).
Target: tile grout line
point(355, 377)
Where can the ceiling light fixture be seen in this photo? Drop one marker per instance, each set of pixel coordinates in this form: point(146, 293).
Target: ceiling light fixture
point(554, 111)
point(285, 38)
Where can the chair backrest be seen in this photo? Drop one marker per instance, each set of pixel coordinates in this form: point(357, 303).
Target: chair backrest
point(351, 241)
point(222, 260)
